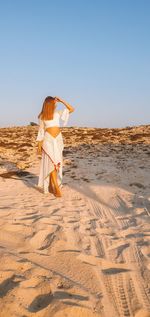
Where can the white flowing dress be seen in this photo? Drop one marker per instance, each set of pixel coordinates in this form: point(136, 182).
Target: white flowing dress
point(52, 149)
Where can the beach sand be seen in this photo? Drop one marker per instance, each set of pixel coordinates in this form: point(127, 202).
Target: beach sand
point(86, 254)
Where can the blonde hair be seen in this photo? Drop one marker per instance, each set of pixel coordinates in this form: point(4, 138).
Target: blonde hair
point(47, 109)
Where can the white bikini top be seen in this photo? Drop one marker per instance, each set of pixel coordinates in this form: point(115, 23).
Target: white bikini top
point(43, 124)
point(54, 122)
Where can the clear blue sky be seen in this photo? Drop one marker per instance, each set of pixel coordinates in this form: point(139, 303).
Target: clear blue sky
point(94, 54)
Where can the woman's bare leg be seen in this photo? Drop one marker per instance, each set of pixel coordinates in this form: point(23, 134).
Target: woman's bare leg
point(51, 187)
point(55, 183)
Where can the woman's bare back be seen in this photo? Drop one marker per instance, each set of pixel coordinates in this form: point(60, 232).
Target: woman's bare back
point(54, 131)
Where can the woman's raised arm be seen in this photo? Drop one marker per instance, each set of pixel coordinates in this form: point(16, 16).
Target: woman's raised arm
point(69, 107)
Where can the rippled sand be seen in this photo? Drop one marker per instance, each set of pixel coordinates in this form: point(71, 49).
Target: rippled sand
point(87, 253)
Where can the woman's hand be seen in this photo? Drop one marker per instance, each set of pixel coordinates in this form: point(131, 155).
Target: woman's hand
point(58, 99)
point(69, 107)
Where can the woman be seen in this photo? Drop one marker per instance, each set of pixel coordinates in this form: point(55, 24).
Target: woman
point(50, 144)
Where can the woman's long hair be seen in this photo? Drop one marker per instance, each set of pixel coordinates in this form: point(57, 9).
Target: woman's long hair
point(47, 109)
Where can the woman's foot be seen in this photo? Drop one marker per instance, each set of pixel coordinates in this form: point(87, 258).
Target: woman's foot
point(54, 191)
point(51, 187)
point(51, 190)
point(58, 193)
point(54, 184)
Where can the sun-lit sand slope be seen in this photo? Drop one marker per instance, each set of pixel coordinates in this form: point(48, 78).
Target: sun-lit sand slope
point(86, 254)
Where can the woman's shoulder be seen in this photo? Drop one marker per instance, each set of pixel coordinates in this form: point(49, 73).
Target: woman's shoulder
point(40, 118)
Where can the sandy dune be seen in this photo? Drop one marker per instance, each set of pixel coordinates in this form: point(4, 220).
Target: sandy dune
point(87, 253)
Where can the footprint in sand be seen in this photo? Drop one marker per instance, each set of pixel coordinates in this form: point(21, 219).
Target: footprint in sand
point(43, 238)
point(7, 285)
